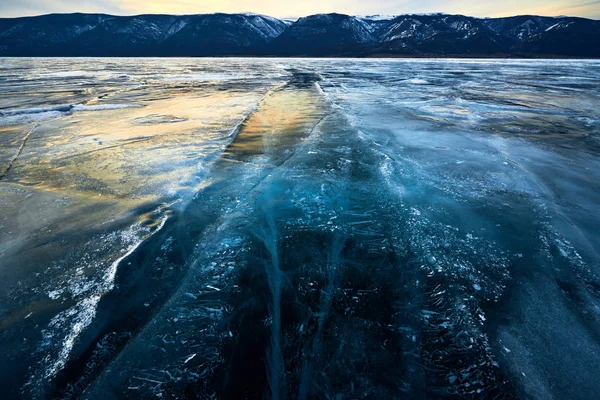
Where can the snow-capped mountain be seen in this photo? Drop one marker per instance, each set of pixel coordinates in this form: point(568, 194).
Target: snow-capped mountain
point(324, 34)
point(143, 35)
point(439, 34)
point(316, 35)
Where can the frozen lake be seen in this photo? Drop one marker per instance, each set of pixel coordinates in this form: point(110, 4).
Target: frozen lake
point(280, 228)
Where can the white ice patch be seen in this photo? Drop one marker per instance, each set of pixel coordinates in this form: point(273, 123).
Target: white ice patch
point(417, 81)
point(38, 114)
point(63, 330)
point(74, 321)
point(76, 74)
point(202, 78)
point(158, 119)
point(36, 110)
point(55, 294)
point(21, 119)
point(103, 107)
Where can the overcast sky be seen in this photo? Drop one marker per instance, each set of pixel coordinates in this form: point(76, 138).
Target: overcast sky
point(293, 8)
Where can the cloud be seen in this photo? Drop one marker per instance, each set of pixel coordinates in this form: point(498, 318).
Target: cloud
point(590, 9)
point(36, 7)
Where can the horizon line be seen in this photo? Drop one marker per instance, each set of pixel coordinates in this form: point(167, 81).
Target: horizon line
point(366, 16)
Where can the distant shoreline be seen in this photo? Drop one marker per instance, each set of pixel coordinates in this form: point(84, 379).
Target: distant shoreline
point(333, 57)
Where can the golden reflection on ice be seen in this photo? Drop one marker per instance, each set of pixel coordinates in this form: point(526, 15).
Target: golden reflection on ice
point(135, 154)
point(283, 118)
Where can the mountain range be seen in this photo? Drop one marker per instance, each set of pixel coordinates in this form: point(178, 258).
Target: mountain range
point(321, 35)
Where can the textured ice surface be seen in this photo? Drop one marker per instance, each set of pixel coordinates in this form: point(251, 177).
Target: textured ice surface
point(239, 228)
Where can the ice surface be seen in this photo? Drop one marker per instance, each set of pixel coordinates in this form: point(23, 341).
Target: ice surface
point(238, 228)
point(28, 115)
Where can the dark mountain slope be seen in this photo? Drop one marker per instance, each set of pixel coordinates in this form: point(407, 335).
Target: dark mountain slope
point(573, 37)
point(317, 35)
point(324, 34)
point(128, 36)
point(440, 34)
point(142, 35)
point(521, 27)
point(45, 34)
point(222, 34)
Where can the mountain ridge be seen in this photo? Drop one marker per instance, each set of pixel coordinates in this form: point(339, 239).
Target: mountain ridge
point(319, 35)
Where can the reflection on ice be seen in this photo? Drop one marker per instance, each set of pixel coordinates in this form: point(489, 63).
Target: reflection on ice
point(320, 229)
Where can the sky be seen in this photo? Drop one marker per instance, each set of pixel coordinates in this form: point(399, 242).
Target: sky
point(297, 8)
